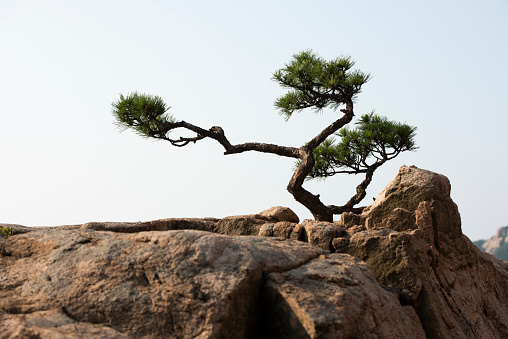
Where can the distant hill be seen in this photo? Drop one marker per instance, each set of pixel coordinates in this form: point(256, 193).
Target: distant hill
point(479, 244)
point(496, 245)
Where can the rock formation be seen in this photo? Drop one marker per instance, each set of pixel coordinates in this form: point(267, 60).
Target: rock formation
point(496, 245)
point(412, 240)
point(401, 269)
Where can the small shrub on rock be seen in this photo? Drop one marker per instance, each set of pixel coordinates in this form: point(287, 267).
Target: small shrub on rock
point(5, 232)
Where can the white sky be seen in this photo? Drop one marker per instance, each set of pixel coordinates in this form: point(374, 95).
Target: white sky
point(438, 65)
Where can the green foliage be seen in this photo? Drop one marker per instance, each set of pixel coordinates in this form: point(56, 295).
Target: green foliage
point(375, 141)
point(502, 252)
point(5, 232)
point(316, 83)
point(145, 114)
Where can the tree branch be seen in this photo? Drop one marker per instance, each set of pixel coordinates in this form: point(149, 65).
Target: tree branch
point(361, 192)
point(285, 151)
point(218, 134)
point(334, 127)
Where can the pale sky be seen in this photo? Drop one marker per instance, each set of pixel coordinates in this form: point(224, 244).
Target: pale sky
point(438, 65)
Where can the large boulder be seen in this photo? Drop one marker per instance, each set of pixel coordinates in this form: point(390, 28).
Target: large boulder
point(166, 284)
point(412, 240)
point(336, 296)
point(401, 269)
point(58, 283)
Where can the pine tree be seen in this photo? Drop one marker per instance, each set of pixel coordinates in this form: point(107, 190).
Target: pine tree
point(315, 84)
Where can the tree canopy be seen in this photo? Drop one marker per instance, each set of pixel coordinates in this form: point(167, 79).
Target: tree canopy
point(375, 141)
point(313, 83)
point(316, 83)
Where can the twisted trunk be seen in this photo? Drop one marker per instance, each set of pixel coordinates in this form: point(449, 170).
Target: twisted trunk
point(304, 197)
point(319, 210)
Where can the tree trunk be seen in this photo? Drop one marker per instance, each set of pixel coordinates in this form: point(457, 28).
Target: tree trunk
point(361, 192)
point(304, 197)
point(320, 211)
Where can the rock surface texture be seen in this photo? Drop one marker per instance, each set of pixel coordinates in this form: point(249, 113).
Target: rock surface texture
point(401, 269)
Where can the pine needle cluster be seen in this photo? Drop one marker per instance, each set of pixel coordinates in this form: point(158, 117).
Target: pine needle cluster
point(316, 83)
point(374, 141)
point(145, 114)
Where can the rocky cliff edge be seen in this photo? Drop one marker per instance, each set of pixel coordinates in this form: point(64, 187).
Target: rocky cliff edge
point(401, 269)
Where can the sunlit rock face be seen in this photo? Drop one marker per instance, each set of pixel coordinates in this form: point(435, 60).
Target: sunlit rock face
point(412, 240)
